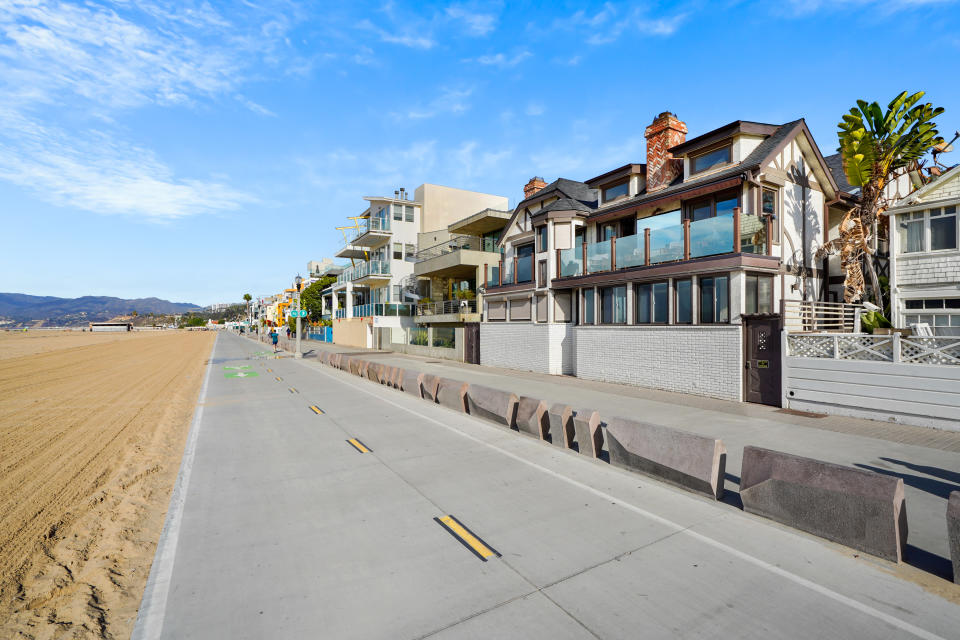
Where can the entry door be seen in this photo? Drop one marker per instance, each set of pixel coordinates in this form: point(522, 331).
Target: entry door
point(762, 359)
point(471, 350)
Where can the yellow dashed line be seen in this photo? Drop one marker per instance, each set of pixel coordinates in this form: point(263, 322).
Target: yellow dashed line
point(279, 379)
point(466, 537)
point(317, 410)
point(359, 446)
point(292, 390)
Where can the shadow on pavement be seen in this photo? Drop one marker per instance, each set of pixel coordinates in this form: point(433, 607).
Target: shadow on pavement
point(929, 485)
point(945, 474)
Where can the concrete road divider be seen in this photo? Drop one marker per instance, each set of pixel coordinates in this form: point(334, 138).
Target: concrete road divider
point(492, 404)
point(411, 382)
point(396, 378)
point(452, 394)
point(561, 425)
point(373, 372)
point(587, 427)
point(953, 533)
point(346, 363)
point(684, 459)
point(532, 417)
point(429, 385)
point(854, 507)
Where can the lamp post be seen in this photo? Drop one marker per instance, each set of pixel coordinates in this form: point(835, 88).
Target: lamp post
point(299, 282)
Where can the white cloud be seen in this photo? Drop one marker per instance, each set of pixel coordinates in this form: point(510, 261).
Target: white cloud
point(477, 23)
point(535, 109)
point(501, 60)
point(807, 7)
point(258, 109)
point(452, 100)
point(612, 21)
point(407, 37)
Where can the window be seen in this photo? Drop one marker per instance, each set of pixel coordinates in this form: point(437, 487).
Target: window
point(683, 292)
point(710, 160)
point(397, 297)
point(542, 273)
point(759, 294)
point(398, 251)
point(410, 250)
point(409, 212)
point(768, 206)
point(652, 303)
point(931, 230)
point(714, 300)
point(398, 212)
point(659, 221)
point(716, 205)
point(613, 305)
point(609, 230)
point(542, 238)
point(578, 237)
point(588, 317)
point(525, 263)
point(616, 191)
point(941, 315)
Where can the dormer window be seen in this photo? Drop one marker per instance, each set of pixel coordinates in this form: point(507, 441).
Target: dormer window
point(616, 191)
point(710, 159)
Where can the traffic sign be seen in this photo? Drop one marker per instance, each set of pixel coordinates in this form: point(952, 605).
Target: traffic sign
point(303, 313)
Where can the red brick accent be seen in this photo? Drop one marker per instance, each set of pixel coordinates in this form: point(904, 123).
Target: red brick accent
point(536, 184)
point(666, 131)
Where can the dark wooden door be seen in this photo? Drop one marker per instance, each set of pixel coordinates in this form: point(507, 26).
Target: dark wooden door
point(762, 359)
point(471, 347)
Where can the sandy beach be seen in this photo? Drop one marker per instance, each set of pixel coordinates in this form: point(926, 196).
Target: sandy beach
point(92, 428)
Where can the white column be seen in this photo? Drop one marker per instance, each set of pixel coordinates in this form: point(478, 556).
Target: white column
point(349, 299)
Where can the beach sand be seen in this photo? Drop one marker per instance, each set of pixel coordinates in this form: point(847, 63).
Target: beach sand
point(92, 429)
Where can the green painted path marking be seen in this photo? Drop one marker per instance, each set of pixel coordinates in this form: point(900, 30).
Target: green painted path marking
point(240, 374)
point(242, 366)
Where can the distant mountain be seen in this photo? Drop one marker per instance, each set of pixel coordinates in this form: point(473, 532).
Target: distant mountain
point(19, 308)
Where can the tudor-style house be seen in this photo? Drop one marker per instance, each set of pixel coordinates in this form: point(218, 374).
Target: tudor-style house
point(668, 274)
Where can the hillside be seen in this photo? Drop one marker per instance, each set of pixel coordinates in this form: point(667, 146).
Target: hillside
point(18, 309)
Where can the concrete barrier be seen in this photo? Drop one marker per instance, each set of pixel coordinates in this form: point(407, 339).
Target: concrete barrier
point(854, 507)
point(374, 370)
point(953, 533)
point(532, 417)
point(492, 404)
point(452, 394)
point(430, 384)
point(684, 459)
point(412, 383)
point(561, 425)
point(586, 427)
point(346, 363)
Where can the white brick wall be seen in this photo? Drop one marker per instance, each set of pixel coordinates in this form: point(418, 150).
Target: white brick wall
point(705, 361)
point(527, 346)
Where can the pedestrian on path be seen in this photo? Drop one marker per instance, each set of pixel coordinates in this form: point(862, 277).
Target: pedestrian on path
point(275, 337)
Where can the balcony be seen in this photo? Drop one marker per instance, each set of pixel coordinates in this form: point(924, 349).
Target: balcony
point(731, 233)
point(373, 232)
point(448, 311)
point(515, 271)
point(458, 257)
point(389, 309)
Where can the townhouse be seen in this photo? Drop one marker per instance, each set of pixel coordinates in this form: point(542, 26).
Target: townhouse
point(379, 289)
point(669, 274)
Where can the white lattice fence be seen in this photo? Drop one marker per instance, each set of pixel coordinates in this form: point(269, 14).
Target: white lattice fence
point(872, 348)
point(926, 350)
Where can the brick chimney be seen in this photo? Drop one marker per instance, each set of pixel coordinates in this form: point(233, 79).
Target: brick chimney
point(664, 132)
point(536, 184)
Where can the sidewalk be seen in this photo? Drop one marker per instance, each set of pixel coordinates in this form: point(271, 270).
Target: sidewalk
point(928, 460)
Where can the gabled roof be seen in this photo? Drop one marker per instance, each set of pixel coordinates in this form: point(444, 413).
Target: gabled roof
point(738, 127)
point(625, 170)
point(563, 188)
point(953, 173)
point(565, 204)
point(835, 163)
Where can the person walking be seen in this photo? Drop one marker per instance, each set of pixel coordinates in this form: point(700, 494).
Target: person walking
point(275, 337)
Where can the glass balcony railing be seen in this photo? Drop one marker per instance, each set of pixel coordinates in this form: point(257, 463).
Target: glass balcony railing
point(711, 236)
point(631, 251)
point(507, 269)
point(373, 268)
point(571, 262)
point(383, 309)
point(598, 257)
point(666, 244)
point(493, 276)
point(525, 269)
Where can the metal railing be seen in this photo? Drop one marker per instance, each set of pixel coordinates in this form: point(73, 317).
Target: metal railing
point(456, 243)
point(511, 271)
point(446, 306)
point(816, 316)
point(383, 309)
point(940, 350)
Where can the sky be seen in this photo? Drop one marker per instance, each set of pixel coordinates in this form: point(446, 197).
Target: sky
point(197, 151)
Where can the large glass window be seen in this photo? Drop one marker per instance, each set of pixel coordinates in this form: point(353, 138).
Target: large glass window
point(710, 160)
point(759, 294)
point(683, 291)
point(588, 315)
point(931, 230)
point(408, 209)
point(525, 263)
point(717, 205)
point(714, 299)
point(652, 305)
point(615, 191)
point(768, 206)
point(542, 238)
point(398, 212)
point(613, 305)
point(410, 250)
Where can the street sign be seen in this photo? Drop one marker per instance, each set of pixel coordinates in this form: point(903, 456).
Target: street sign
point(302, 312)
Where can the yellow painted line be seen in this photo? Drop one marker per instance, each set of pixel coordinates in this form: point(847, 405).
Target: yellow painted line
point(279, 379)
point(269, 370)
point(292, 390)
point(359, 446)
point(467, 538)
point(317, 410)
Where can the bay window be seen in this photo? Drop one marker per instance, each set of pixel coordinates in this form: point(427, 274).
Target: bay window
point(932, 230)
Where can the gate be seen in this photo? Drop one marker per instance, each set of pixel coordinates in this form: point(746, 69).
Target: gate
point(762, 359)
point(471, 342)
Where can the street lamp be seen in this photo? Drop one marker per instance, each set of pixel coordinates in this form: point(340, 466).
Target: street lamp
point(299, 282)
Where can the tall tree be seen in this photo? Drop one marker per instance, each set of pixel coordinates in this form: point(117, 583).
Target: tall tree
point(312, 301)
point(876, 147)
point(247, 298)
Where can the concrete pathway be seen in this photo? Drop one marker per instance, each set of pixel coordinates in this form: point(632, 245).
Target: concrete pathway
point(284, 529)
point(928, 460)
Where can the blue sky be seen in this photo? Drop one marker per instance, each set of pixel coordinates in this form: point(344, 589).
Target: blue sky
point(196, 151)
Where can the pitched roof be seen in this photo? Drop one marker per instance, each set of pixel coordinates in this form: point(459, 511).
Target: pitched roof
point(564, 188)
point(565, 204)
point(835, 163)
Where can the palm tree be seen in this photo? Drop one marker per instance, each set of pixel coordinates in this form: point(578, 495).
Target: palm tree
point(247, 298)
point(876, 147)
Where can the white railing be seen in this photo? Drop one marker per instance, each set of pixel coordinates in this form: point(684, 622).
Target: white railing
point(940, 350)
point(814, 316)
